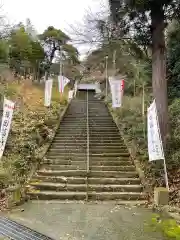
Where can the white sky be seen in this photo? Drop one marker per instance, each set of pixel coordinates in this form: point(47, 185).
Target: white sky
point(57, 13)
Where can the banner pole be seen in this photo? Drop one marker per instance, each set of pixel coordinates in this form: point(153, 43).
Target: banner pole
point(166, 175)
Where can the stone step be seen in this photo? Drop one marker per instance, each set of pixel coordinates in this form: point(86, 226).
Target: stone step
point(81, 173)
point(84, 158)
point(112, 168)
point(81, 154)
point(60, 179)
point(66, 157)
point(67, 151)
point(50, 195)
point(99, 135)
point(62, 147)
point(80, 128)
point(84, 146)
point(97, 138)
point(101, 196)
point(82, 166)
point(64, 162)
point(110, 154)
point(116, 181)
point(83, 180)
point(110, 163)
point(51, 186)
point(115, 174)
point(69, 141)
point(67, 173)
point(70, 137)
point(110, 145)
point(69, 134)
point(109, 150)
point(118, 151)
point(92, 162)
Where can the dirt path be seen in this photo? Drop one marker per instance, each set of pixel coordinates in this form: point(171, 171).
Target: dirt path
point(78, 221)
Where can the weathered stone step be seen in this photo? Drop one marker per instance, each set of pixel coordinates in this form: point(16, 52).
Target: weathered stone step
point(69, 134)
point(99, 135)
point(108, 150)
point(59, 179)
point(84, 128)
point(70, 139)
point(92, 162)
point(64, 162)
point(116, 181)
point(51, 186)
point(50, 195)
point(82, 166)
point(101, 125)
point(66, 151)
point(61, 147)
point(111, 137)
point(67, 173)
point(72, 131)
point(112, 154)
point(116, 196)
point(100, 159)
point(112, 168)
point(110, 145)
point(67, 157)
point(115, 174)
point(81, 180)
point(111, 163)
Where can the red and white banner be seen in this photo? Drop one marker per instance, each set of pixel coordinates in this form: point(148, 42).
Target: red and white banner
point(8, 109)
point(117, 91)
point(62, 81)
point(48, 92)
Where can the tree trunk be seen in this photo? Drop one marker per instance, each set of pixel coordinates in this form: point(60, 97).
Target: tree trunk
point(159, 81)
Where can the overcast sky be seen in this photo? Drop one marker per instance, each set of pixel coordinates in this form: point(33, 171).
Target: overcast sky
point(57, 13)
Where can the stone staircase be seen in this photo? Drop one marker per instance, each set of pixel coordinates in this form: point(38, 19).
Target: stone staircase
point(63, 174)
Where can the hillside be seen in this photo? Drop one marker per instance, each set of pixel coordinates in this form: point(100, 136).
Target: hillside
point(33, 126)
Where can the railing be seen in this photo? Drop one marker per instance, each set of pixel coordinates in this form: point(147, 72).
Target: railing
point(87, 130)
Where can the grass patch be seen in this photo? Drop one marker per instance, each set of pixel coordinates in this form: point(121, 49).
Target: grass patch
point(169, 227)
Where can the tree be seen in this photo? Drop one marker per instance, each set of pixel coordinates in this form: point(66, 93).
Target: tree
point(146, 21)
point(54, 40)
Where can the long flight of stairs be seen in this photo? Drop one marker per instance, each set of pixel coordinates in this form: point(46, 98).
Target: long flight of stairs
point(63, 174)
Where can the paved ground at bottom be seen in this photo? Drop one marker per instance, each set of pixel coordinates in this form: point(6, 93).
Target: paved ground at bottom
point(78, 221)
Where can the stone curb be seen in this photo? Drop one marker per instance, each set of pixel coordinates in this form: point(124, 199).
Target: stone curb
point(171, 212)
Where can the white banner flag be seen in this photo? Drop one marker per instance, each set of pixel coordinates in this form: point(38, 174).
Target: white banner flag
point(117, 89)
point(75, 88)
point(8, 109)
point(63, 81)
point(70, 94)
point(48, 92)
point(155, 148)
point(98, 89)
